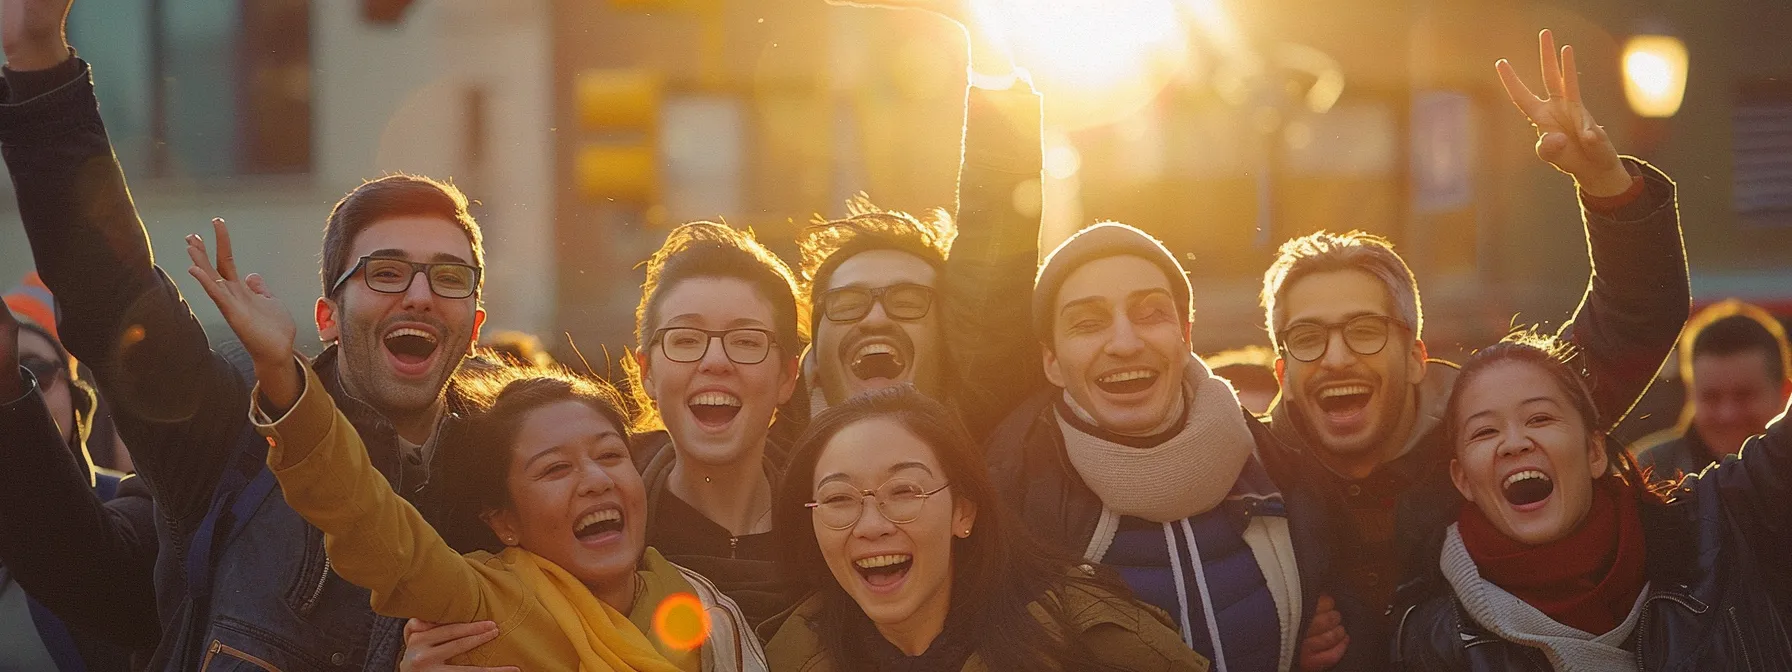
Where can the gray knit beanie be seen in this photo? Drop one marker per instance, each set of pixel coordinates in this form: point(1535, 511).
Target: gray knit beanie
point(1100, 241)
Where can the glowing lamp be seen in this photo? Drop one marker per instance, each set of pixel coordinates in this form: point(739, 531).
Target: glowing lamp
point(1655, 74)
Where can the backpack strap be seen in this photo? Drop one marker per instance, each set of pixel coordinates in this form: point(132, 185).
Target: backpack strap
point(246, 481)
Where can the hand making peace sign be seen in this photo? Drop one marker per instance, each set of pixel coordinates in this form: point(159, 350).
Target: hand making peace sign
point(259, 319)
point(1567, 136)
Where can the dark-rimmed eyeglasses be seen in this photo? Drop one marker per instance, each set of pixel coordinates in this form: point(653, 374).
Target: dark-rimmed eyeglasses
point(839, 506)
point(689, 344)
point(387, 275)
point(44, 370)
point(904, 301)
point(1364, 335)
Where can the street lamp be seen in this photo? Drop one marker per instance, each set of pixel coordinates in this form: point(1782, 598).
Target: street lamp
point(1654, 74)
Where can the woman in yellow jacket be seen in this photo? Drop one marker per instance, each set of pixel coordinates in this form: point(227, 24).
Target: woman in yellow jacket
point(889, 516)
point(576, 586)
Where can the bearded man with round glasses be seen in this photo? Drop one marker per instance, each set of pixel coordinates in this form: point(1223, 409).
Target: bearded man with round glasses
point(1363, 402)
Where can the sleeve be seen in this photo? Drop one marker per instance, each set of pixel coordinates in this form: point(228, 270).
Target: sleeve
point(374, 538)
point(179, 407)
point(89, 562)
point(1638, 297)
point(989, 273)
point(1756, 485)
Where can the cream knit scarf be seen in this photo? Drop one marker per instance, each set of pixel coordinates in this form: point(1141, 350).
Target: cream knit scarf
point(1507, 617)
point(1187, 474)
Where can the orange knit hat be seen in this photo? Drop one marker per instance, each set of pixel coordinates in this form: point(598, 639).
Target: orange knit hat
point(32, 302)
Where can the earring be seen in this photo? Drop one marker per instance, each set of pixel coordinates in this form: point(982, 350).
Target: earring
point(510, 541)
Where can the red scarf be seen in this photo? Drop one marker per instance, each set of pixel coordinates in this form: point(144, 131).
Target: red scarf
point(1588, 580)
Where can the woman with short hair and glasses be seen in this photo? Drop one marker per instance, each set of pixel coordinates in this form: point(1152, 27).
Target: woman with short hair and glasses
point(888, 516)
point(718, 340)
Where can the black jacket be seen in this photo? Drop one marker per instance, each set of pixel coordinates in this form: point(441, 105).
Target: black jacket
point(1635, 303)
point(1716, 567)
point(64, 543)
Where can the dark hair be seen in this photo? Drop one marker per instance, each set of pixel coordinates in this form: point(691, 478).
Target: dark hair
point(1732, 327)
point(1556, 358)
point(713, 250)
point(824, 245)
point(496, 401)
point(398, 195)
point(1324, 252)
point(997, 572)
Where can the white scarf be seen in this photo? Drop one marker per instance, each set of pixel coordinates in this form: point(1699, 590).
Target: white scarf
point(1568, 649)
point(1187, 474)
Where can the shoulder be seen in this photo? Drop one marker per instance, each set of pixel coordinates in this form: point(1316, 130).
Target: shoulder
point(1118, 630)
point(791, 642)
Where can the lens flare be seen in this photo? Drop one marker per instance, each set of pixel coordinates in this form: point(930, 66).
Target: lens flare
point(681, 622)
point(1096, 60)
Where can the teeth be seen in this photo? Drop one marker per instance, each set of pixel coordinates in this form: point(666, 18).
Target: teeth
point(604, 516)
point(715, 399)
point(408, 331)
point(1124, 376)
point(1343, 391)
point(1525, 475)
point(877, 349)
point(877, 561)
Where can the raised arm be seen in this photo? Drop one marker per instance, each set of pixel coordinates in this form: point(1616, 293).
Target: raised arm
point(89, 562)
point(178, 407)
point(1638, 297)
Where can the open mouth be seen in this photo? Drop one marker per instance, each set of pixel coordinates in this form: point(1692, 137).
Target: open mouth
point(593, 526)
point(1127, 382)
point(714, 408)
point(877, 360)
point(1345, 400)
point(884, 571)
point(411, 347)
point(1528, 487)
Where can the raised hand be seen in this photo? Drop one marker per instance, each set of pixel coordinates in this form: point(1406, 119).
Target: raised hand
point(259, 320)
point(1567, 136)
point(34, 33)
point(989, 52)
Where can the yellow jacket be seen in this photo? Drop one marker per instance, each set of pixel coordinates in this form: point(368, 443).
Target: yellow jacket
point(547, 620)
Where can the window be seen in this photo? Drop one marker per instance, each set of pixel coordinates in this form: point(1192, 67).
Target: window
point(1762, 128)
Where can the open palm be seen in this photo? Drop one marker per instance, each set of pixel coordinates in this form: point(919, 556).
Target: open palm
point(259, 320)
point(1567, 136)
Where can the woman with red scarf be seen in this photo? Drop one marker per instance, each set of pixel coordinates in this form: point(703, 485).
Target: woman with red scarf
point(1565, 559)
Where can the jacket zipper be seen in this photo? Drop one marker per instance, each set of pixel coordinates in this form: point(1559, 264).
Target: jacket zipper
point(1736, 634)
point(317, 591)
point(1642, 626)
point(220, 647)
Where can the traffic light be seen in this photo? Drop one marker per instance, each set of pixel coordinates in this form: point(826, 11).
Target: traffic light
point(618, 114)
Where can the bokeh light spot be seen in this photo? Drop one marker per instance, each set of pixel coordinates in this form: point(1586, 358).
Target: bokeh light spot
point(681, 622)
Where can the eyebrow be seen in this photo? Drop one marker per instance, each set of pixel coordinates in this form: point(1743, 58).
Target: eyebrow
point(899, 466)
point(1346, 318)
point(606, 434)
point(396, 253)
point(1532, 400)
point(736, 323)
point(1133, 296)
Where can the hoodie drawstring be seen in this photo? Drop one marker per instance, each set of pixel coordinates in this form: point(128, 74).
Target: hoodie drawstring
point(1213, 623)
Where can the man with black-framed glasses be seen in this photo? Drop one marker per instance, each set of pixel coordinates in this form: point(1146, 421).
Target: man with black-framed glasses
point(1364, 404)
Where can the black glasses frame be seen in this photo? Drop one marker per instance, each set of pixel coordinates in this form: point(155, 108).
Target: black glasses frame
point(1388, 321)
point(710, 336)
point(426, 268)
point(876, 295)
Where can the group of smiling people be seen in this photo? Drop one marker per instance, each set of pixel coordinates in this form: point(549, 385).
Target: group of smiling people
point(921, 449)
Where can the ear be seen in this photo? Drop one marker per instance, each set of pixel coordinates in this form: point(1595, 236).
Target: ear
point(1597, 460)
point(1281, 372)
point(964, 516)
point(1785, 392)
point(792, 372)
point(503, 523)
point(1050, 362)
point(641, 364)
point(1461, 480)
point(1416, 372)
point(329, 326)
point(478, 322)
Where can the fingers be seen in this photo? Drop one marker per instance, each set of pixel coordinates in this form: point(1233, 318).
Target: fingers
point(1325, 604)
point(455, 635)
point(416, 625)
point(1551, 146)
point(1325, 659)
point(1521, 95)
point(1552, 69)
point(226, 258)
point(1570, 75)
point(258, 285)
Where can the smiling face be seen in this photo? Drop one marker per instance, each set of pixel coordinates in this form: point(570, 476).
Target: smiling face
point(1734, 397)
point(398, 350)
point(1524, 456)
point(717, 411)
point(575, 496)
point(878, 351)
point(1118, 344)
point(899, 574)
point(1349, 404)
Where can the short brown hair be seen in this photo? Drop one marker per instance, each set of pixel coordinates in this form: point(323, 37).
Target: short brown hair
point(396, 195)
point(1729, 327)
point(1324, 252)
point(825, 244)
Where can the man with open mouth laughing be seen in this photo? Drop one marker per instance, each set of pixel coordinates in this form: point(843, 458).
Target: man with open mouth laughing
point(1138, 457)
point(891, 306)
point(1358, 394)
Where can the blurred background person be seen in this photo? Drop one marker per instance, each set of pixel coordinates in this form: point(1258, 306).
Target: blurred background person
point(1738, 376)
point(516, 347)
point(1252, 372)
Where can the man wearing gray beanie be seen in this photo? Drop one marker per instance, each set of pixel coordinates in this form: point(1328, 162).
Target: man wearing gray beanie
point(1139, 458)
